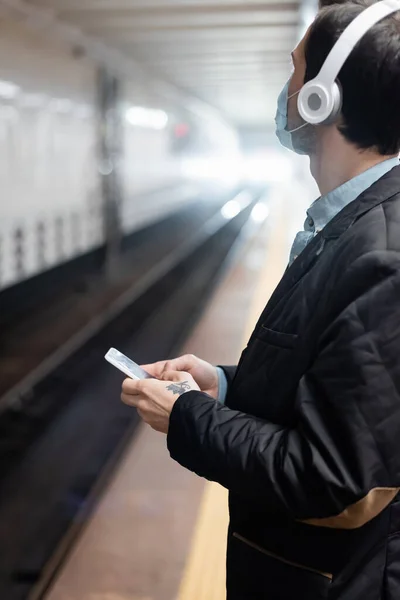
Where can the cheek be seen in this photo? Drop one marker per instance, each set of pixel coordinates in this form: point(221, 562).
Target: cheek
point(297, 80)
point(292, 108)
point(292, 84)
point(293, 88)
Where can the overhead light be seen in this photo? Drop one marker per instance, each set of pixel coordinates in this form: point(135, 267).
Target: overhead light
point(260, 212)
point(8, 90)
point(147, 117)
point(231, 209)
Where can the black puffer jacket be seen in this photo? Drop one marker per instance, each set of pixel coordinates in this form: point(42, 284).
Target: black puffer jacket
point(309, 442)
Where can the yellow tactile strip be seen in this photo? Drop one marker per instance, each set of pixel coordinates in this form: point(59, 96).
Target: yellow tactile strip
point(204, 576)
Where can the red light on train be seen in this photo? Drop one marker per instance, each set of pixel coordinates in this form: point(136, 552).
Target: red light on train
point(181, 130)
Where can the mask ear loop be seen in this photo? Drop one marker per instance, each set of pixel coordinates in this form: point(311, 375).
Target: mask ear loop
point(298, 128)
point(301, 126)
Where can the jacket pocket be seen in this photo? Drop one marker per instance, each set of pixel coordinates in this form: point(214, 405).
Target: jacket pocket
point(277, 338)
point(327, 576)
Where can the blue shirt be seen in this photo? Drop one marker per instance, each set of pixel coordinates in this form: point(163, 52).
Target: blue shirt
point(318, 216)
point(326, 207)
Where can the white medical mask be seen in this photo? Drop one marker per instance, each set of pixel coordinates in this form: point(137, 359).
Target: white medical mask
point(281, 120)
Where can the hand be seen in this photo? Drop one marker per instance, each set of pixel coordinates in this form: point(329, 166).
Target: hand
point(155, 399)
point(204, 374)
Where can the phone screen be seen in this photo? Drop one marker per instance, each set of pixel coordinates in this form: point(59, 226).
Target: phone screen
point(126, 365)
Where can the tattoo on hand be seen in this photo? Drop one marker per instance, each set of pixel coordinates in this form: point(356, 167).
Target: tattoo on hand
point(179, 388)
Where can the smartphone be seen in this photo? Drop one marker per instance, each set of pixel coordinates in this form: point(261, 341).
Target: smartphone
point(126, 365)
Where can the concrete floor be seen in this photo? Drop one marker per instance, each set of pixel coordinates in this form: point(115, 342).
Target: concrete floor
point(136, 545)
point(158, 529)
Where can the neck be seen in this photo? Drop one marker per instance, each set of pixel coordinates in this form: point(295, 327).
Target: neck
point(336, 161)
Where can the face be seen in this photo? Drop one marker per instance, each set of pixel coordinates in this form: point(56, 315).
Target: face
point(304, 140)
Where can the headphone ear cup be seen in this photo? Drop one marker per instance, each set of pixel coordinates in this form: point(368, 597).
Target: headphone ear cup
point(337, 97)
point(302, 102)
point(318, 103)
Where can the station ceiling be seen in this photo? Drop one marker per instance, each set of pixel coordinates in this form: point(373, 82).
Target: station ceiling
point(234, 54)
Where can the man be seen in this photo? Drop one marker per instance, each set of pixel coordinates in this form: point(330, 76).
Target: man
point(308, 443)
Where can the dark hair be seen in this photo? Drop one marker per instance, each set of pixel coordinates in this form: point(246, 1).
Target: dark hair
point(370, 78)
point(323, 3)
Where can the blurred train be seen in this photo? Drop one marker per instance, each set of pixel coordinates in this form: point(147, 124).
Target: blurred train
point(67, 127)
point(88, 153)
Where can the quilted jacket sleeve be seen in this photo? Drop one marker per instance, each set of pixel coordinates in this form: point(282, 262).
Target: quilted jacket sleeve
point(345, 444)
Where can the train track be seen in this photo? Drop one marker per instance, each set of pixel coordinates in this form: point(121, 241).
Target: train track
point(63, 301)
point(63, 429)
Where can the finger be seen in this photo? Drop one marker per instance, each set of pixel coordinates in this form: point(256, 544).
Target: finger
point(142, 415)
point(129, 400)
point(131, 386)
point(154, 369)
point(176, 376)
point(182, 363)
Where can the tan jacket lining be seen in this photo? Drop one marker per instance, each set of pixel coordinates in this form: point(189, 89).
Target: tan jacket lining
point(361, 512)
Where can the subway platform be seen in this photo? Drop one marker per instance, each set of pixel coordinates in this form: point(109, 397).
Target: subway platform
point(158, 531)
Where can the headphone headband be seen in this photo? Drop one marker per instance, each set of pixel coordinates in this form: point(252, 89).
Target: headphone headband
point(352, 35)
point(320, 100)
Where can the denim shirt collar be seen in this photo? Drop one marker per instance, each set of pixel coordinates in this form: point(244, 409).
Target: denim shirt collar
point(326, 207)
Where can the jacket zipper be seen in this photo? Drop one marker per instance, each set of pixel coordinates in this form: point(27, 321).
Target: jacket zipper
point(280, 558)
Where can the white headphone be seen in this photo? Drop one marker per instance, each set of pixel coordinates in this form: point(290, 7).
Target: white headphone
point(320, 100)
